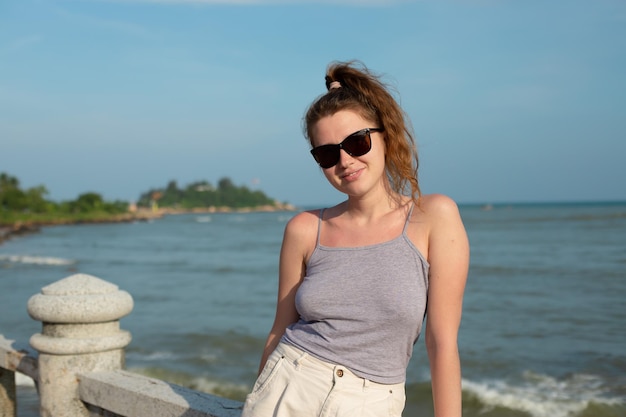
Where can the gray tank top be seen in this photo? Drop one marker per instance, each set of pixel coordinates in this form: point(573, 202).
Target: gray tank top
point(363, 307)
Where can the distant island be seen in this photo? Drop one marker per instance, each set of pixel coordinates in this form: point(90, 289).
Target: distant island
point(25, 210)
point(203, 196)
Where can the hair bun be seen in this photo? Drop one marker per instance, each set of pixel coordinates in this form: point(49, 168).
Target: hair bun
point(330, 83)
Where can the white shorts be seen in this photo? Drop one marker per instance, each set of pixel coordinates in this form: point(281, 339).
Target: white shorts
point(295, 384)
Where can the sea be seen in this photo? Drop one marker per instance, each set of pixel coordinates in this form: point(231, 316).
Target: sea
point(543, 331)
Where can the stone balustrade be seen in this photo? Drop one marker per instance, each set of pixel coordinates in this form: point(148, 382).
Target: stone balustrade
point(78, 362)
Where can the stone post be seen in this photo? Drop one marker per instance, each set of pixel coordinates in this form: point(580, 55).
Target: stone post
point(80, 333)
point(7, 393)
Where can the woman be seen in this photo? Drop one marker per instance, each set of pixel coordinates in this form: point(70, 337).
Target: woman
point(354, 278)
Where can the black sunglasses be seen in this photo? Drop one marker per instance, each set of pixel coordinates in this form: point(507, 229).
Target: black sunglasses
point(357, 144)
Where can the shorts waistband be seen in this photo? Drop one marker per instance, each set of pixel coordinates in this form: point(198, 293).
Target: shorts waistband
point(340, 374)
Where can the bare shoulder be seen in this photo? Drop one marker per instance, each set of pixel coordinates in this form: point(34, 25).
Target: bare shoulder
point(446, 241)
point(435, 218)
point(439, 204)
point(437, 207)
point(303, 223)
point(441, 215)
point(301, 232)
point(445, 226)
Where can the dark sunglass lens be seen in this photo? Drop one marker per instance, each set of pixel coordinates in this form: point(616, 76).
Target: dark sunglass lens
point(326, 156)
point(358, 144)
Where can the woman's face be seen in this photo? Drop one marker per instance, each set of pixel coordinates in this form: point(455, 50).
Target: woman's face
point(353, 175)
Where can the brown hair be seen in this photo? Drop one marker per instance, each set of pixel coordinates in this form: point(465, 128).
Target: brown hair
point(363, 92)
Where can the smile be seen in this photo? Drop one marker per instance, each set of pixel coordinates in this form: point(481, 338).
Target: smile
point(352, 174)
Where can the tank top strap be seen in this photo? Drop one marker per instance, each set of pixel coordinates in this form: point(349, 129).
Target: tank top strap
point(408, 219)
point(319, 227)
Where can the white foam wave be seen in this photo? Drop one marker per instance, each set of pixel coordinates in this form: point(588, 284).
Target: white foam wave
point(36, 260)
point(203, 219)
point(152, 356)
point(23, 380)
point(542, 395)
point(215, 387)
point(200, 383)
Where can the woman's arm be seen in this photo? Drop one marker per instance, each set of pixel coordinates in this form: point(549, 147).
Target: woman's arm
point(448, 256)
point(298, 240)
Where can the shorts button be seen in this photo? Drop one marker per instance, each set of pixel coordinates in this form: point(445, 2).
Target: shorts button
point(339, 373)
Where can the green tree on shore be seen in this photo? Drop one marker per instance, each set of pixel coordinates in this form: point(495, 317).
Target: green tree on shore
point(31, 205)
point(13, 198)
point(202, 194)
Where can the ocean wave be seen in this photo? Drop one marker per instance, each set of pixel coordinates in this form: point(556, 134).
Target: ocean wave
point(152, 356)
point(23, 380)
point(204, 384)
point(36, 260)
point(544, 396)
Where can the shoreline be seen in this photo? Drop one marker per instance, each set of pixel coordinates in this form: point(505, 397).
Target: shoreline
point(21, 228)
point(226, 209)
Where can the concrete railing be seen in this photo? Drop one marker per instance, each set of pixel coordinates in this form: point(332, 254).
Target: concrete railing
point(78, 360)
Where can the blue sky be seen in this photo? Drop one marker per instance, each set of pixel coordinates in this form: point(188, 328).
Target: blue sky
point(511, 101)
